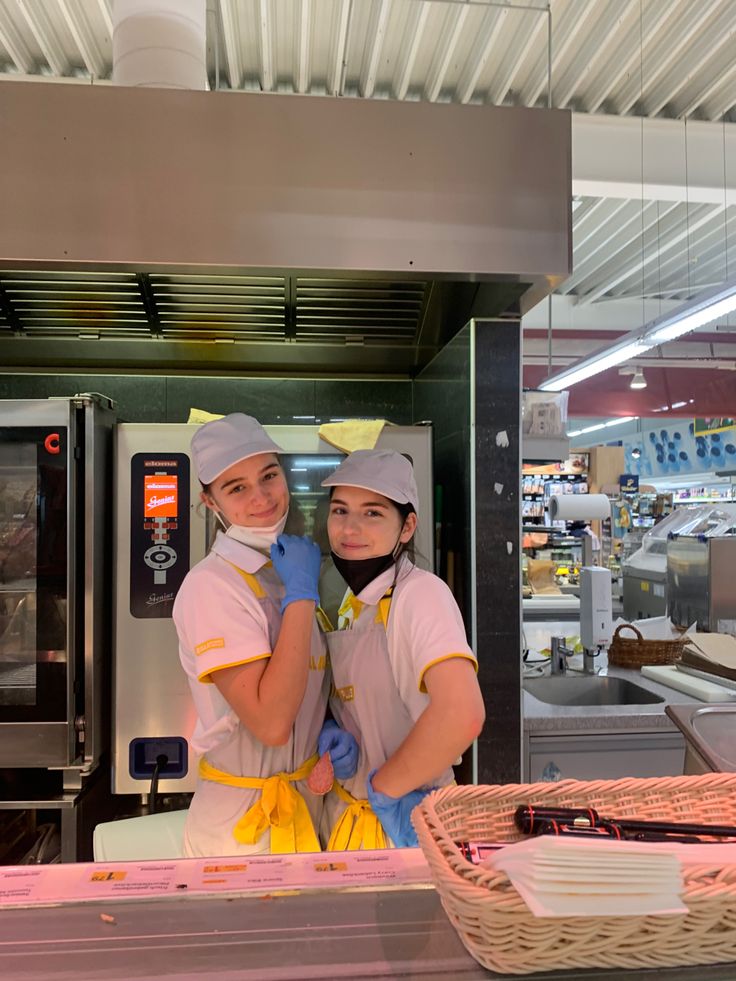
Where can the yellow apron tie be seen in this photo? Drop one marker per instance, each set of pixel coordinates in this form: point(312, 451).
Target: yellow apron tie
point(358, 827)
point(279, 807)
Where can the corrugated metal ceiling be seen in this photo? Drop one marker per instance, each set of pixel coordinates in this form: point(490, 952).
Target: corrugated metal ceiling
point(654, 58)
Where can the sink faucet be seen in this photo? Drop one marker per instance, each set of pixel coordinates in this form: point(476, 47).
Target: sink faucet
point(560, 653)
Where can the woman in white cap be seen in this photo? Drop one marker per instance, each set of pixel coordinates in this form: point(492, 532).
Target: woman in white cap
point(404, 677)
point(254, 656)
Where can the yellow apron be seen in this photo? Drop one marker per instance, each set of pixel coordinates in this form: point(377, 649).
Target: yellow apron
point(357, 827)
point(280, 807)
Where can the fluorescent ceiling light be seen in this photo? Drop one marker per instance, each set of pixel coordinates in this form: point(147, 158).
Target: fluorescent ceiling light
point(696, 313)
point(602, 425)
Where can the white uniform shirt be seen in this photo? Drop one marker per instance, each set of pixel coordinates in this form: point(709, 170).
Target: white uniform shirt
point(424, 628)
point(221, 622)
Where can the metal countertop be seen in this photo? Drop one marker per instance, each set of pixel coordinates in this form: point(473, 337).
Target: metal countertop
point(390, 934)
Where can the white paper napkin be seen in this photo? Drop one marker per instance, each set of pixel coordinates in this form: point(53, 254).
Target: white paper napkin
point(579, 877)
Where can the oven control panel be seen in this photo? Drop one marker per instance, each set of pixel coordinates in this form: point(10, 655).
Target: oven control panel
point(159, 526)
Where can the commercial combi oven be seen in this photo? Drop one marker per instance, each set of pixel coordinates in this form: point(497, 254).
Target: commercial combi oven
point(161, 531)
point(55, 532)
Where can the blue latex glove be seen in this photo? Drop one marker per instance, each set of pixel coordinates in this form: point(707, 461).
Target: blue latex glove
point(297, 563)
point(342, 747)
point(394, 813)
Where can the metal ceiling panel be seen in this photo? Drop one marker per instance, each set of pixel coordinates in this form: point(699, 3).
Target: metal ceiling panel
point(658, 58)
point(663, 57)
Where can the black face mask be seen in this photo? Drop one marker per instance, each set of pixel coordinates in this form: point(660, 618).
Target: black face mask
point(357, 573)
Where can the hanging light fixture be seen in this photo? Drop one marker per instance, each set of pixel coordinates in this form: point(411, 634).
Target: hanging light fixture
point(698, 312)
point(638, 380)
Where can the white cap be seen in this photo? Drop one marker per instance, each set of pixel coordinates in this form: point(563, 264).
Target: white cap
point(219, 444)
point(384, 471)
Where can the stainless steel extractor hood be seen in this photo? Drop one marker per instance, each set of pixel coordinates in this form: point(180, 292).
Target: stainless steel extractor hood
point(150, 229)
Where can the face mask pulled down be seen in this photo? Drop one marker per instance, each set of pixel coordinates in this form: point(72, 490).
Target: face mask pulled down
point(258, 538)
point(358, 573)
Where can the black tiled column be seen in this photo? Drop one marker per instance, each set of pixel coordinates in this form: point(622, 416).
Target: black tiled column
point(497, 408)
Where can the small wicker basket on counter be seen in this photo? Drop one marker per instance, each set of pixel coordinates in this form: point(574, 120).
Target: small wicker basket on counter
point(498, 928)
point(632, 652)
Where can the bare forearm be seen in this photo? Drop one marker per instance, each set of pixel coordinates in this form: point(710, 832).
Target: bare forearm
point(282, 685)
point(435, 742)
point(266, 694)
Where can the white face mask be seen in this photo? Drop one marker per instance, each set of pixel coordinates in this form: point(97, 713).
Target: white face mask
point(260, 538)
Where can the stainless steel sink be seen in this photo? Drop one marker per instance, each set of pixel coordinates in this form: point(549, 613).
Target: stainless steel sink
point(589, 691)
point(710, 736)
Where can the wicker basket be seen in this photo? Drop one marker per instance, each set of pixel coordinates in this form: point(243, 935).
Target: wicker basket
point(497, 927)
point(632, 652)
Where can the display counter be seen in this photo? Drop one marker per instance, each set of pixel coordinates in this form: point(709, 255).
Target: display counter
point(359, 935)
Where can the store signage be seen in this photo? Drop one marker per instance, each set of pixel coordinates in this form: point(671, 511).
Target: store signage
point(628, 483)
point(703, 427)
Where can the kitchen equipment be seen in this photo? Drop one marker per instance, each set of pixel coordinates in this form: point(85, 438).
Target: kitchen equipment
point(700, 579)
point(161, 531)
point(55, 470)
point(672, 677)
point(645, 571)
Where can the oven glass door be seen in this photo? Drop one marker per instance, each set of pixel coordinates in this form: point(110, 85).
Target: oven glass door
point(33, 574)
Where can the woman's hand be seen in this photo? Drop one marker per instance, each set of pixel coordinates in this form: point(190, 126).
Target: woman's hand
point(394, 813)
point(342, 747)
point(297, 564)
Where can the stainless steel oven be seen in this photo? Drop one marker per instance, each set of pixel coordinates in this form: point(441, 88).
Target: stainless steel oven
point(161, 530)
point(54, 583)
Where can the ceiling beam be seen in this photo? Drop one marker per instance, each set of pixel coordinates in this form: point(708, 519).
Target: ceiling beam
point(106, 14)
point(671, 46)
point(638, 258)
point(629, 51)
point(720, 77)
point(12, 40)
point(566, 33)
point(607, 157)
point(628, 237)
point(454, 22)
point(336, 80)
point(42, 29)
point(302, 45)
point(717, 35)
point(587, 60)
point(608, 315)
point(265, 45)
point(410, 43)
point(84, 38)
point(520, 46)
point(491, 26)
point(231, 43)
point(376, 34)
